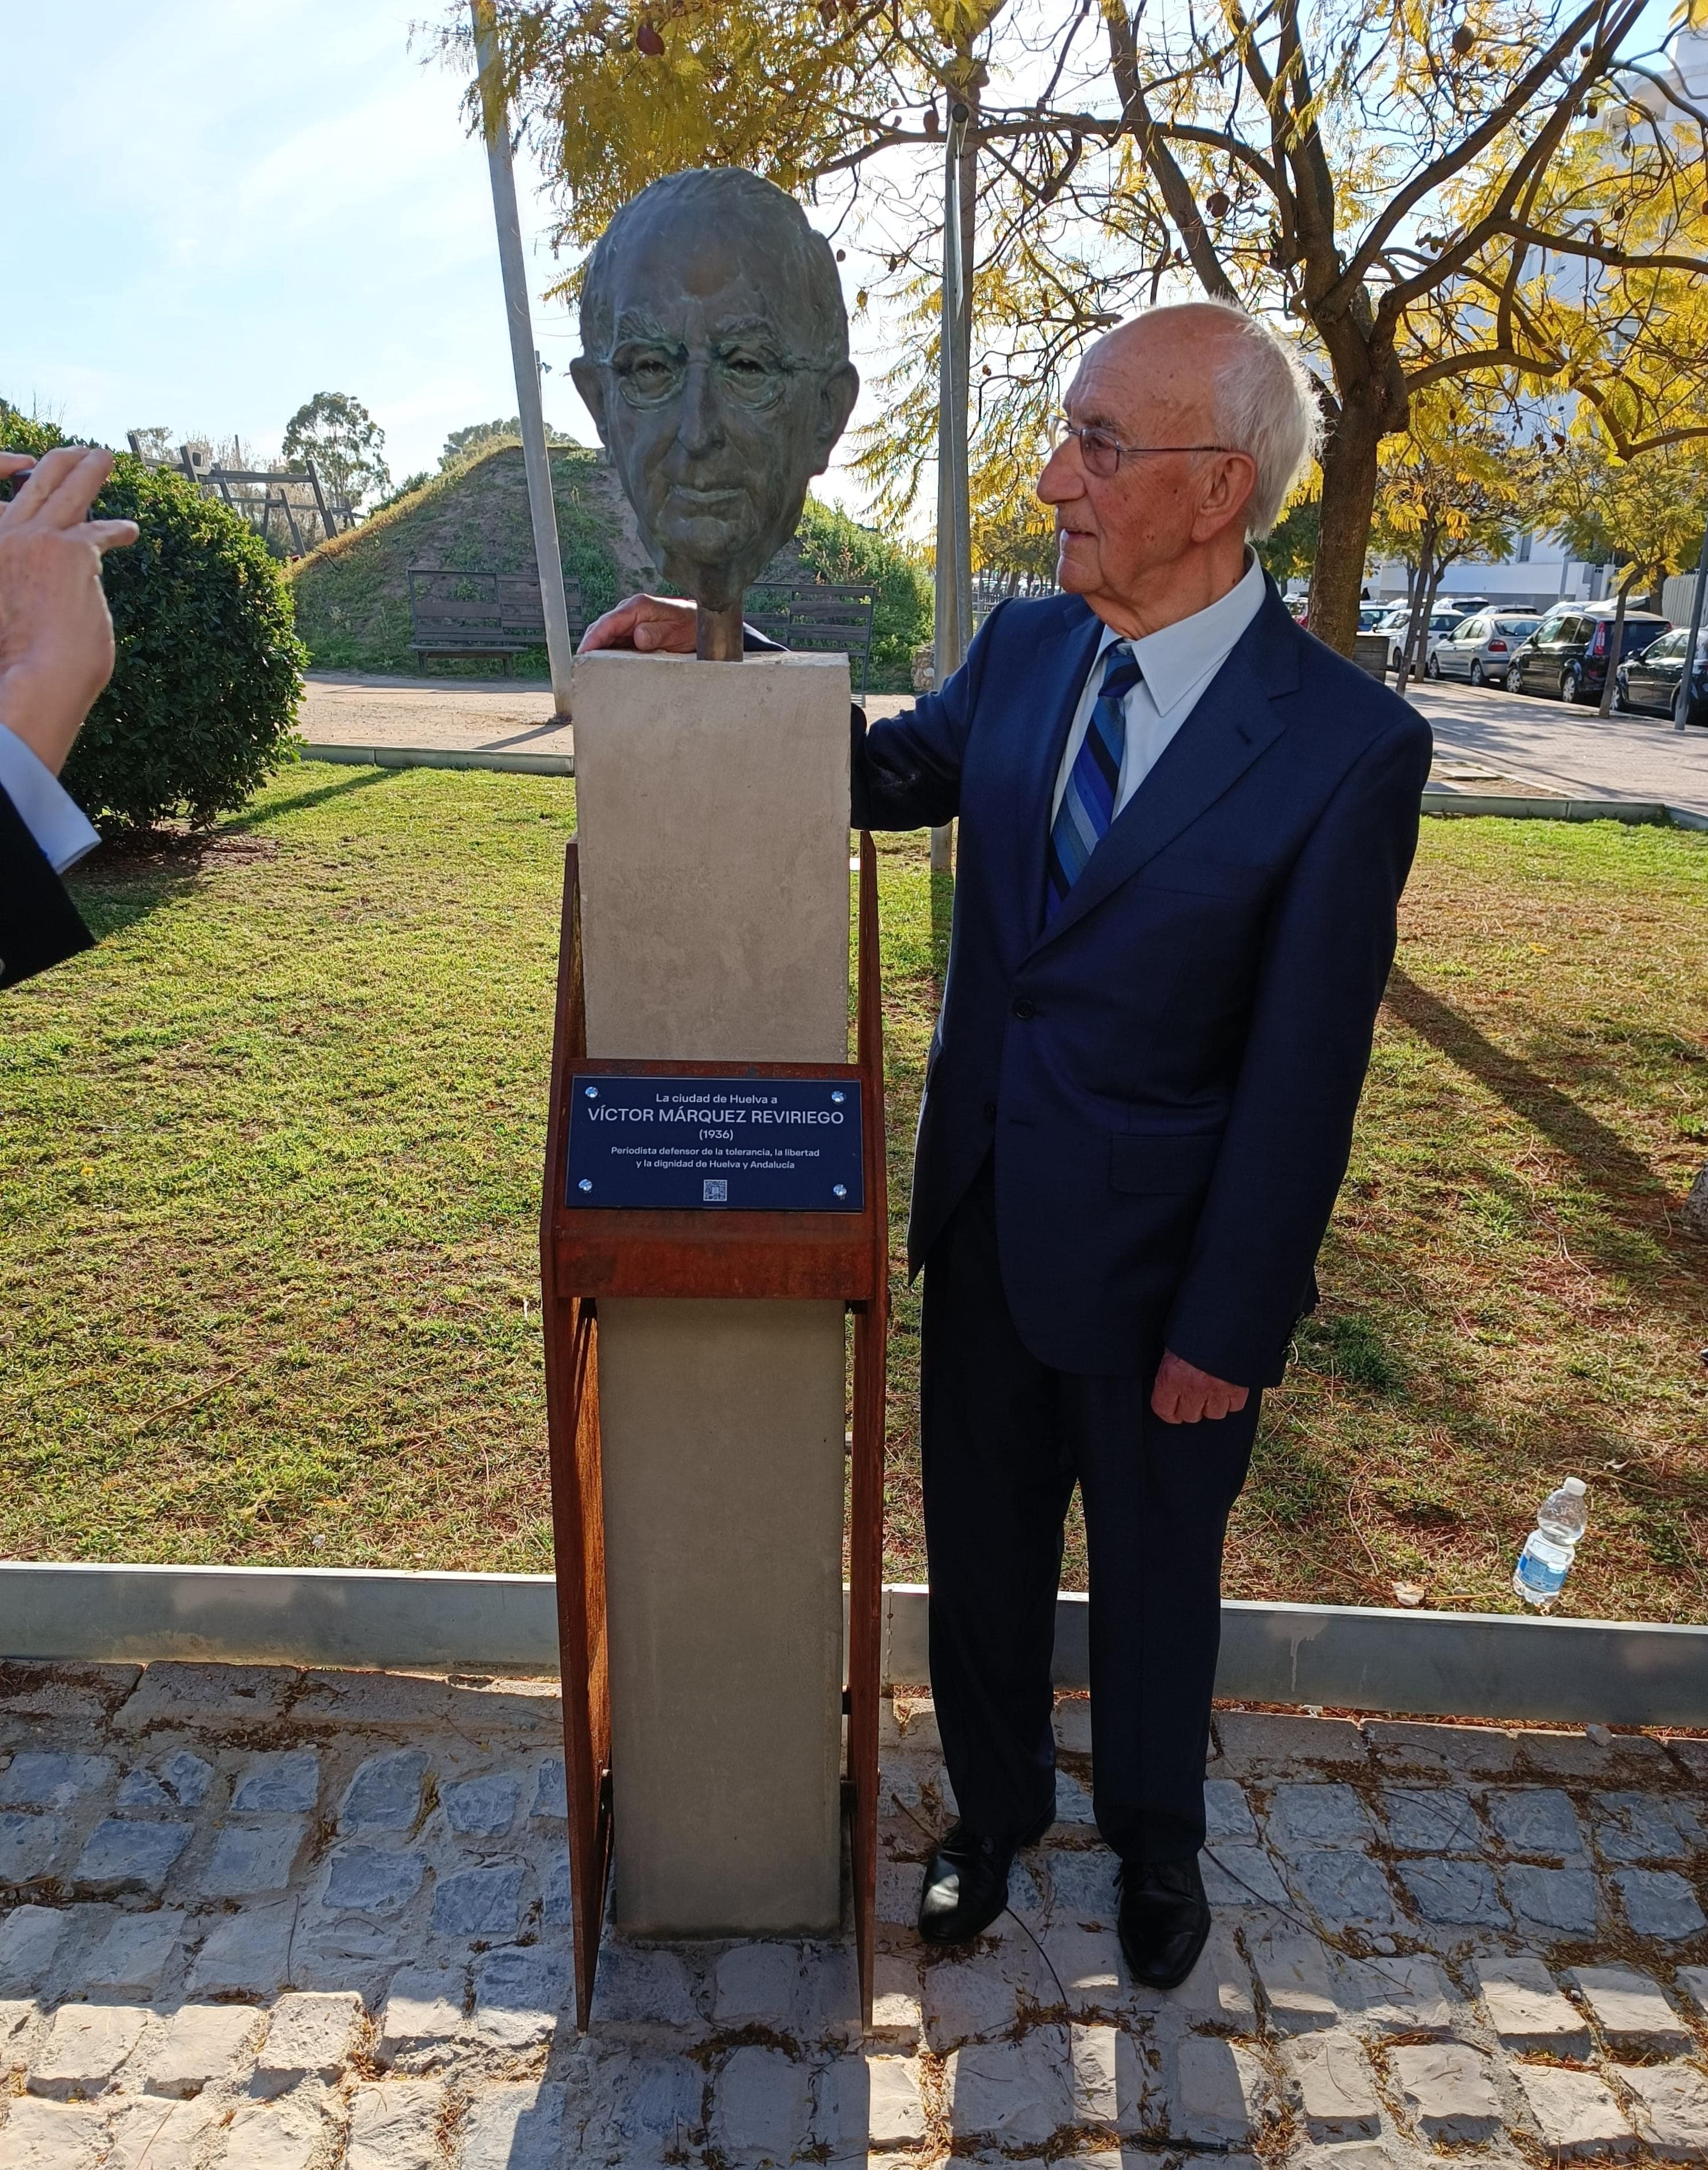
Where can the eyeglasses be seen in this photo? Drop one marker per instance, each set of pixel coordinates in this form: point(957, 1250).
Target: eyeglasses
point(1103, 453)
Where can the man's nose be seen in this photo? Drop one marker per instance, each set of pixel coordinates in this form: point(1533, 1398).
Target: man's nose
point(1063, 478)
point(702, 426)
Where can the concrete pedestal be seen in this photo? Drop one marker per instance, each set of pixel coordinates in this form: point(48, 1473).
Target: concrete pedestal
point(713, 817)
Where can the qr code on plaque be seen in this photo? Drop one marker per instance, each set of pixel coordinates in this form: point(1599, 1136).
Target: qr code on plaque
point(714, 1190)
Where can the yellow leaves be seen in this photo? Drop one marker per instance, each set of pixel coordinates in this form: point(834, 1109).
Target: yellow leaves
point(960, 23)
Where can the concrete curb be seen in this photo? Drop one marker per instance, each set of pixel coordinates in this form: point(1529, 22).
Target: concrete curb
point(1449, 1665)
point(391, 756)
point(1647, 811)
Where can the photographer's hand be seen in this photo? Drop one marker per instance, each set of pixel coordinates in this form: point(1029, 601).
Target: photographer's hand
point(55, 632)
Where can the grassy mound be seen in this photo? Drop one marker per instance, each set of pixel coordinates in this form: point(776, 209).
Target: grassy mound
point(352, 594)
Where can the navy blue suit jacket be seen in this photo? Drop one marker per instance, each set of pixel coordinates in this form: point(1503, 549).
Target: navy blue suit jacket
point(39, 923)
point(1169, 1071)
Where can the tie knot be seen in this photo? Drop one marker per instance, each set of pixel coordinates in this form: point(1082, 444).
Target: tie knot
point(1121, 671)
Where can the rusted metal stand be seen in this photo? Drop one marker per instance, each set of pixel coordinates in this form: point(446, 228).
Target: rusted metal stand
point(585, 1254)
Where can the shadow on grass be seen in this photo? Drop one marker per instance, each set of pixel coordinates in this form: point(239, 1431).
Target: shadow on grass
point(121, 886)
point(254, 815)
point(1627, 1187)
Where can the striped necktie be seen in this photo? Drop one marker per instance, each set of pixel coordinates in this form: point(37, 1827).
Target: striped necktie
point(1088, 805)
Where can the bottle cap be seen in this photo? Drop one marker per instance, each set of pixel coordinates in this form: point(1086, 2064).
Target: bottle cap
point(1574, 1486)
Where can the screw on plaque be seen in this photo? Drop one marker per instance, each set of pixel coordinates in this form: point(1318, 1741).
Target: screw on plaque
point(839, 1190)
point(585, 1184)
point(591, 1091)
point(837, 1097)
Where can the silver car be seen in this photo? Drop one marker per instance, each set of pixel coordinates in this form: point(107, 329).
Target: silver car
point(1481, 648)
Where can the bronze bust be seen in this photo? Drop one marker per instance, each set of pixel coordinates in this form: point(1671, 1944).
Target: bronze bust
point(715, 364)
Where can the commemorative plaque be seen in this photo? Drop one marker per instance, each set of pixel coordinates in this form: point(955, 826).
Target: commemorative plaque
point(731, 1144)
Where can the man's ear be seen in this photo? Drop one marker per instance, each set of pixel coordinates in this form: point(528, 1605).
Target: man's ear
point(836, 397)
point(1232, 480)
point(589, 383)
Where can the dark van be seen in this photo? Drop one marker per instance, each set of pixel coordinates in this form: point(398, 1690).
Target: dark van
point(1568, 655)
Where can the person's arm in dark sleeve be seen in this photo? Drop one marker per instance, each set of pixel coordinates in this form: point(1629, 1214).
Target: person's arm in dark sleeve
point(905, 771)
point(1288, 1137)
point(39, 923)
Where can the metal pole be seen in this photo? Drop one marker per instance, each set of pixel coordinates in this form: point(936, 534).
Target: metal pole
point(954, 570)
point(495, 127)
point(1681, 714)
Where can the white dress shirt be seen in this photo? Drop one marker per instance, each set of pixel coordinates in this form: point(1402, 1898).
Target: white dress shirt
point(1178, 663)
point(45, 806)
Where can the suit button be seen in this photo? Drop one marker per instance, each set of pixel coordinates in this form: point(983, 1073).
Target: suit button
point(1025, 1007)
point(990, 1111)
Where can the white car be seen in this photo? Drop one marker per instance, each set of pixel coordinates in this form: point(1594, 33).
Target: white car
point(1442, 622)
point(1481, 648)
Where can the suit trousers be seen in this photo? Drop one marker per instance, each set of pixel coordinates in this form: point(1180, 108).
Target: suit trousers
point(1004, 1439)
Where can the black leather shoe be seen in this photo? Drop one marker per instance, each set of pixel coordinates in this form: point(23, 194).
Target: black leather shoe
point(1165, 1918)
point(966, 1882)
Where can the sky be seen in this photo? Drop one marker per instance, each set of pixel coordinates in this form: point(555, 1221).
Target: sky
point(216, 208)
point(224, 206)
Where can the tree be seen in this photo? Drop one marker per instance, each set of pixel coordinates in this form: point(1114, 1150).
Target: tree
point(345, 442)
point(461, 446)
point(1453, 486)
point(1646, 513)
point(1290, 551)
point(1514, 194)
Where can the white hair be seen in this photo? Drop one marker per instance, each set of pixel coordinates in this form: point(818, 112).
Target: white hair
point(1264, 404)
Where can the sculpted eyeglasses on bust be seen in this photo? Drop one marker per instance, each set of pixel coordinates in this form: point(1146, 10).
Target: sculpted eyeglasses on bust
point(715, 364)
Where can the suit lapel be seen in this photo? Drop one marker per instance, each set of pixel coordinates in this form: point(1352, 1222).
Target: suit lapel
point(1063, 661)
point(1233, 723)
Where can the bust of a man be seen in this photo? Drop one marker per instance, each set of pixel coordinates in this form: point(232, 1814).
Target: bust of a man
point(715, 364)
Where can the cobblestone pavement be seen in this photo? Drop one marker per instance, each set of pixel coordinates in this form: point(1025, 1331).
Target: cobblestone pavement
point(295, 1921)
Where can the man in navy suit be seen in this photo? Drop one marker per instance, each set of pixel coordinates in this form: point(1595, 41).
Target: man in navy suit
point(56, 655)
point(1185, 825)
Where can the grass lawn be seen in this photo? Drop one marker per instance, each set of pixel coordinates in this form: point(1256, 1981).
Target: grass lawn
point(269, 1165)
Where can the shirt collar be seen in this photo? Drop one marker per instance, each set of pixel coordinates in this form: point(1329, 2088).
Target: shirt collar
point(1178, 657)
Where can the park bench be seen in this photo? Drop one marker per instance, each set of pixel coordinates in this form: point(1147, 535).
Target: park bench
point(825, 615)
point(471, 612)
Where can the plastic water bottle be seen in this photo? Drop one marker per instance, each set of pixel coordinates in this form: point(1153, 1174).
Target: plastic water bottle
point(1546, 1559)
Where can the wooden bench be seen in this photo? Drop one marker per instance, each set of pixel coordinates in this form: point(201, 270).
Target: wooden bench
point(472, 612)
point(825, 615)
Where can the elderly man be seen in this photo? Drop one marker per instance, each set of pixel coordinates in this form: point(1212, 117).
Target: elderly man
point(1185, 826)
point(56, 654)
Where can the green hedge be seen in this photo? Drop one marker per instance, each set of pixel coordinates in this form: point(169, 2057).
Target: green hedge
point(835, 548)
point(208, 671)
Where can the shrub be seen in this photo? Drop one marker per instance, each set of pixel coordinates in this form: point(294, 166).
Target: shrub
point(209, 671)
point(840, 549)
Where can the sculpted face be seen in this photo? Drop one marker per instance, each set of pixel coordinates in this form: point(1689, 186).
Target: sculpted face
point(717, 372)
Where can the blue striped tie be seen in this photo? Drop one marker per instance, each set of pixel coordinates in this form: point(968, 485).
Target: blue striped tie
point(1088, 805)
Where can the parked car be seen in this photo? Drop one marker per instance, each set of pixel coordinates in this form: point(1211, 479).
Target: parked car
point(1442, 622)
point(1481, 648)
point(1370, 616)
point(1651, 682)
point(1567, 655)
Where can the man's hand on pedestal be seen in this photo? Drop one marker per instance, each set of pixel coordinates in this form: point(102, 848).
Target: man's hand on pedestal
point(655, 625)
point(1183, 1394)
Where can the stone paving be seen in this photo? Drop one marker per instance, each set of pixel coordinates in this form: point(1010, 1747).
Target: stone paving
point(276, 1920)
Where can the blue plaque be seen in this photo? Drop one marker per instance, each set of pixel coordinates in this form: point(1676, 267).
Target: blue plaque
point(730, 1144)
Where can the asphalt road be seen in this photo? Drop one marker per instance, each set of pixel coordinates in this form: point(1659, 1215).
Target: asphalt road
point(1484, 741)
point(1569, 749)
